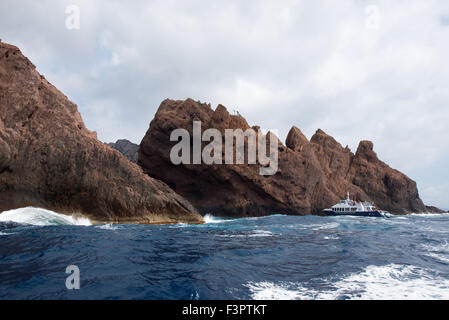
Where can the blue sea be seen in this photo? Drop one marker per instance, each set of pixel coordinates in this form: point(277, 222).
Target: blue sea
point(275, 257)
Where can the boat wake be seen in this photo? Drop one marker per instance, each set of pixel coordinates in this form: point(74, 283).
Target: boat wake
point(389, 282)
point(41, 217)
point(439, 252)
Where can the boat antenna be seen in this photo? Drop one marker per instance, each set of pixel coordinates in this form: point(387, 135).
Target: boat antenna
point(347, 196)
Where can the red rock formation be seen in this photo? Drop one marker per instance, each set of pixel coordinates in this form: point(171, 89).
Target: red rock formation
point(49, 159)
point(389, 188)
point(432, 209)
point(312, 175)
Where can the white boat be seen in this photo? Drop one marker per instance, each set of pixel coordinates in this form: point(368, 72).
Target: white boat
point(349, 207)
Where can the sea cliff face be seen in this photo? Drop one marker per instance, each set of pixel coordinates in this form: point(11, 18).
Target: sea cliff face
point(312, 175)
point(49, 159)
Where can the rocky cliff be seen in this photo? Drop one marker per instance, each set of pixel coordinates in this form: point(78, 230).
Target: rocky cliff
point(127, 148)
point(433, 209)
point(312, 175)
point(49, 159)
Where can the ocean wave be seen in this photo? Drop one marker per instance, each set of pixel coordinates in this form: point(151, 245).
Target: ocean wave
point(441, 257)
point(41, 217)
point(398, 218)
point(439, 252)
point(324, 226)
point(252, 234)
point(108, 227)
point(430, 215)
point(270, 291)
point(389, 282)
point(260, 233)
point(208, 218)
point(331, 237)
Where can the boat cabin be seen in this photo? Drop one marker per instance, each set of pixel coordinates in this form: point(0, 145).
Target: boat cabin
point(349, 205)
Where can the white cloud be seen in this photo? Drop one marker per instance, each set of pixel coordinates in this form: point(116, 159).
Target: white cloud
point(435, 195)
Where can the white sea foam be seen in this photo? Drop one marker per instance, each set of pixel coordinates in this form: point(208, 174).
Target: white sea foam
point(260, 233)
point(430, 215)
point(395, 218)
point(41, 217)
point(389, 282)
point(108, 227)
point(195, 296)
point(208, 218)
point(441, 257)
point(440, 252)
point(179, 225)
point(331, 225)
point(331, 237)
point(270, 291)
point(252, 234)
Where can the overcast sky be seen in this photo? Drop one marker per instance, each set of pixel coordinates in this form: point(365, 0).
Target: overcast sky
point(359, 70)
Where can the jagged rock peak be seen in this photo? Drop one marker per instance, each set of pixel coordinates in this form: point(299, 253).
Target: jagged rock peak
point(127, 148)
point(327, 143)
point(296, 139)
point(320, 137)
point(366, 150)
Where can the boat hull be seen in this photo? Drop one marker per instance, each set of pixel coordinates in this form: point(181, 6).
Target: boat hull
point(376, 213)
